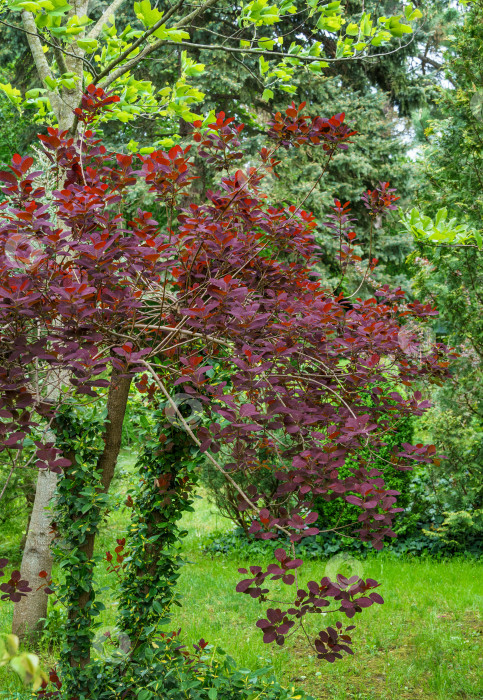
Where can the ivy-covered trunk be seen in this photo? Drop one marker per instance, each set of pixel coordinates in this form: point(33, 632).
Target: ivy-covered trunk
point(167, 474)
point(91, 440)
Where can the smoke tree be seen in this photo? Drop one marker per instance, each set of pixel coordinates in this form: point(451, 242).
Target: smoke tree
point(73, 46)
point(229, 289)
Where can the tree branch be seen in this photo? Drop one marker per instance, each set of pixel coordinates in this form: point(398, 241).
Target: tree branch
point(186, 20)
point(41, 63)
point(214, 462)
point(60, 59)
point(49, 43)
point(139, 41)
point(149, 49)
point(105, 17)
point(218, 47)
point(430, 61)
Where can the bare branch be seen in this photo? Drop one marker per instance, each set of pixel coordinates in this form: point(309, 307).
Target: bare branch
point(104, 18)
point(214, 462)
point(212, 338)
point(430, 61)
point(186, 20)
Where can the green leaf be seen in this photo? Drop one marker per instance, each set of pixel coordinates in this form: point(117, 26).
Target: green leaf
point(29, 6)
point(35, 92)
point(158, 607)
point(50, 82)
point(147, 14)
point(317, 66)
point(381, 37)
point(8, 647)
point(27, 666)
point(190, 67)
point(145, 694)
point(264, 65)
point(266, 43)
point(291, 89)
point(88, 45)
point(12, 93)
point(366, 24)
point(397, 29)
point(441, 216)
point(411, 13)
point(68, 83)
point(352, 29)
point(267, 94)
point(258, 13)
point(174, 34)
point(330, 24)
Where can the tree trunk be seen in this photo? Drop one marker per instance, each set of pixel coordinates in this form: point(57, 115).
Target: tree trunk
point(63, 103)
point(116, 410)
point(37, 557)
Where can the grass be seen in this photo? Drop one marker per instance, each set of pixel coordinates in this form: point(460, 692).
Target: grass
point(424, 642)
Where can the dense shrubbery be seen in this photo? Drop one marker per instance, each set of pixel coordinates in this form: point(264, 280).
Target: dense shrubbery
point(207, 673)
point(435, 521)
point(457, 533)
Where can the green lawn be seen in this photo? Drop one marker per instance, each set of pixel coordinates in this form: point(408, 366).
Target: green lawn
point(425, 642)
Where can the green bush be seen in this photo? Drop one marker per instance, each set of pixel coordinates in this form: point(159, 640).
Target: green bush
point(224, 496)
point(460, 531)
point(344, 514)
point(441, 539)
point(172, 672)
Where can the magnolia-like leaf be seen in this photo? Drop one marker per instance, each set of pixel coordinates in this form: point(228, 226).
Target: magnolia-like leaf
point(8, 648)
point(190, 67)
point(146, 14)
point(264, 65)
point(352, 29)
point(150, 16)
point(28, 6)
point(50, 82)
point(27, 666)
point(14, 95)
point(396, 28)
point(88, 45)
point(366, 24)
point(412, 13)
point(258, 13)
point(441, 230)
point(266, 43)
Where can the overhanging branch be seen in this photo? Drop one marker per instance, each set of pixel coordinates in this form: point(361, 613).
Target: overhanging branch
point(111, 77)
